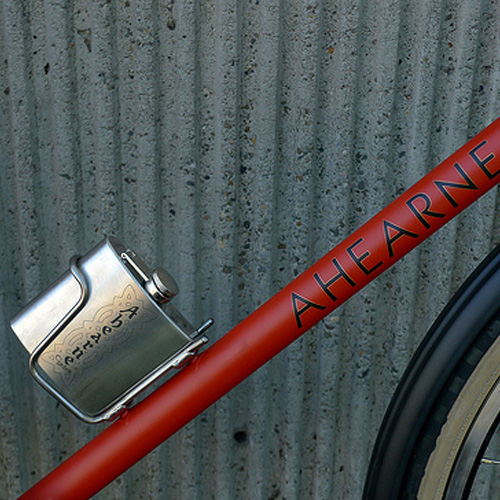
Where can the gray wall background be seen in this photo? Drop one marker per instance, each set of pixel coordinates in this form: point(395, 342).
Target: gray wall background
point(235, 143)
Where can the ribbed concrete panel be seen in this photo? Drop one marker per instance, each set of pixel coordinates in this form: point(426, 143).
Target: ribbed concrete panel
point(235, 143)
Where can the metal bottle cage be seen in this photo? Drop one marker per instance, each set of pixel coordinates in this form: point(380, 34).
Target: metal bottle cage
point(121, 404)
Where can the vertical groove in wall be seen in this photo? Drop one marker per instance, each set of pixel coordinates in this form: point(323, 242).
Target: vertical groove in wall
point(235, 143)
point(98, 41)
point(65, 185)
point(35, 449)
point(10, 427)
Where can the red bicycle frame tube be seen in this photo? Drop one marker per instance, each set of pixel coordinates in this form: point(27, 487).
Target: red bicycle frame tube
point(397, 229)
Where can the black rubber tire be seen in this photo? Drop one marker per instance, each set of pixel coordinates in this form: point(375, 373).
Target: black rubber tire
point(442, 466)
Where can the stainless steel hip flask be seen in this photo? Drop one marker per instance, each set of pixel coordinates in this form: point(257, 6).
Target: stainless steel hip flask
point(104, 331)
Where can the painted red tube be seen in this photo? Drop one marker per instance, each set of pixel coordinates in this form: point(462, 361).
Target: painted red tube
point(401, 226)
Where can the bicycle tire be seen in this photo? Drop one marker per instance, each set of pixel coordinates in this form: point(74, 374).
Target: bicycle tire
point(460, 425)
point(441, 372)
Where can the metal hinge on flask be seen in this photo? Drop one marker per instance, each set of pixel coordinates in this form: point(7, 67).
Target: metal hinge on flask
point(104, 331)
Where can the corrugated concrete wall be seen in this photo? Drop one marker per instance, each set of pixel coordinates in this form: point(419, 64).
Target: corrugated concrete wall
point(235, 143)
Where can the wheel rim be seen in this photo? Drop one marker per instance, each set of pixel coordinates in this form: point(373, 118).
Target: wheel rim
point(464, 437)
point(476, 442)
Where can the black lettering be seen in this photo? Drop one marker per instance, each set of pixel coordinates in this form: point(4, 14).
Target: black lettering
point(106, 330)
point(481, 163)
point(426, 210)
point(443, 185)
point(68, 360)
point(117, 322)
point(341, 274)
point(96, 337)
point(296, 298)
point(132, 311)
point(359, 258)
point(78, 353)
point(399, 232)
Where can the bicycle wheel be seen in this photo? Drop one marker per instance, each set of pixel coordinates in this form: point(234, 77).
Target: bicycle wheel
point(445, 408)
point(451, 446)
